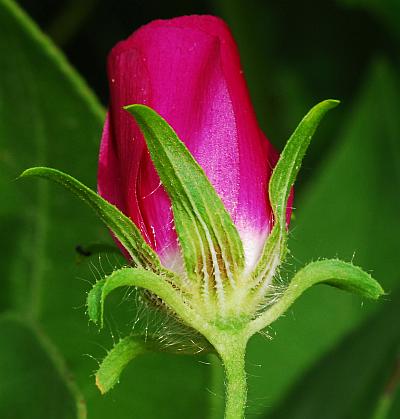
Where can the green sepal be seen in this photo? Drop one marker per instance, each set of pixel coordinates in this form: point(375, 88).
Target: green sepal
point(117, 359)
point(280, 184)
point(161, 285)
point(130, 347)
point(332, 272)
point(291, 158)
point(207, 235)
point(123, 228)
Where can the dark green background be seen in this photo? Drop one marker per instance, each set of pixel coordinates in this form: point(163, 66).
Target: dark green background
point(333, 354)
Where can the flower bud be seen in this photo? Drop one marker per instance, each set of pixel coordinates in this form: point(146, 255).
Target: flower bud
point(188, 70)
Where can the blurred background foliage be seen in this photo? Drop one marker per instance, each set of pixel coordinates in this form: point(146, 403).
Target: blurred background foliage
point(332, 355)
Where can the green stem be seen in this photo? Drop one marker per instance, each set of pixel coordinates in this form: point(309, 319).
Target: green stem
point(232, 353)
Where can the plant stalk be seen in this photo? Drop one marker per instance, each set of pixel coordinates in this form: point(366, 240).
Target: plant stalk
point(233, 357)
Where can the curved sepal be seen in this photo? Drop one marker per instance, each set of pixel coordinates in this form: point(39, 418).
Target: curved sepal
point(291, 158)
point(159, 285)
point(330, 271)
point(123, 228)
point(210, 242)
point(130, 347)
point(117, 359)
point(281, 182)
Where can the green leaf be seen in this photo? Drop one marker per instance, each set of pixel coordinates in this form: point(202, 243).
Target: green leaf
point(117, 359)
point(289, 163)
point(33, 130)
point(210, 242)
point(31, 369)
point(336, 273)
point(350, 380)
point(123, 228)
point(157, 284)
point(49, 117)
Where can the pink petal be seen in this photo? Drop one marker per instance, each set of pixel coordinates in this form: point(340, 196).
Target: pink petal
point(188, 70)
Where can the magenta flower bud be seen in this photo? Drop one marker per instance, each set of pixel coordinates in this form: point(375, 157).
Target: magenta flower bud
point(178, 81)
point(188, 70)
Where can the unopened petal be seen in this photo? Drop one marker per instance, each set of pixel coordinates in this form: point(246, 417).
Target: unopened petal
point(188, 70)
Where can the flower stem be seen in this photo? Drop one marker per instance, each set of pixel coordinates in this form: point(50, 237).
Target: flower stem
point(233, 357)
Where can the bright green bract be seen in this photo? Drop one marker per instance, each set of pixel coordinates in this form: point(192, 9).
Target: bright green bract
point(282, 180)
point(136, 277)
point(334, 272)
point(288, 166)
point(209, 240)
point(123, 228)
point(117, 359)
